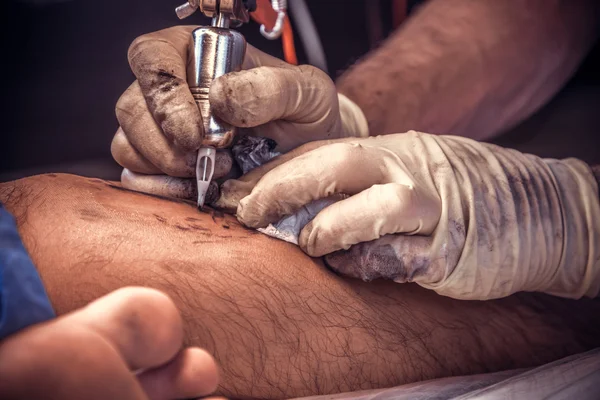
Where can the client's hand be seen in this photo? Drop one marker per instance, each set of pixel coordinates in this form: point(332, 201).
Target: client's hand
point(126, 345)
point(467, 219)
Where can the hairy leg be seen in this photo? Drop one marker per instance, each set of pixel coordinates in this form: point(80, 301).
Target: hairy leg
point(278, 322)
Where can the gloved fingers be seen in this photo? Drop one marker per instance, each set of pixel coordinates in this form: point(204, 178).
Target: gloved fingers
point(257, 173)
point(346, 168)
point(254, 97)
point(233, 190)
point(147, 138)
point(255, 58)
point(142, 324)
point(193, 373)
point(223, 164)
point(128, 157)
point(159, 61)
point(289, 135)
point(397, 257)
point(167, 186)
point(369, 215)
point(160, 185)
point(230, 194)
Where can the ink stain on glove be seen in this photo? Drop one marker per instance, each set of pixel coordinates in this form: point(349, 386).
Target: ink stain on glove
point(251, 152)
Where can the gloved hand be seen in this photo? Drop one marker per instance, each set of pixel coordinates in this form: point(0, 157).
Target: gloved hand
point(466, 219)
point(161, 126)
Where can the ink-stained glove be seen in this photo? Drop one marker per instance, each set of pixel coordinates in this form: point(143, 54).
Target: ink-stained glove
point(466, 219)
point(161, 127)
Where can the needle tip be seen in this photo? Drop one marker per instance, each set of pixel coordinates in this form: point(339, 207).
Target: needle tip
point(202, 190)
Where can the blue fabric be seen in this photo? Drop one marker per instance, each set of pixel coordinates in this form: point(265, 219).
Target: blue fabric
point(23, 299)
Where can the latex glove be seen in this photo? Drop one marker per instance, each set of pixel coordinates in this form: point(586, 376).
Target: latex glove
point(161, 126)
point(466, 219)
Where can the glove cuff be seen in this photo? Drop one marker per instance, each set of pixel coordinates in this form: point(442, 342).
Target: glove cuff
point(529, 224)
point(354, 122)
point(578, 273)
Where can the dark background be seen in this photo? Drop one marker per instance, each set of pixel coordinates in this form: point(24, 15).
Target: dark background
point(65, 66)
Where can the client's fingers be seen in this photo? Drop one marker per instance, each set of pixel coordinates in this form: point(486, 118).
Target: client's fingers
point(64, 359)
point(142, 324)
point(193, 373)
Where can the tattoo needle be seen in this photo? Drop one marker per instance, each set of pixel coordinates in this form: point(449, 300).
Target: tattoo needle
point(205, 166)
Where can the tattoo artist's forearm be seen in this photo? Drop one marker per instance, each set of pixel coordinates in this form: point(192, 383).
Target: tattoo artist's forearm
point(472, 68)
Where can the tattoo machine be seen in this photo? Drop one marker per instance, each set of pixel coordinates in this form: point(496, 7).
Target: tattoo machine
point(215, 51)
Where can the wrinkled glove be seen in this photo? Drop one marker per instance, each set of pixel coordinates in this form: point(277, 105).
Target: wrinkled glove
point(161, 126)
point(466, 219)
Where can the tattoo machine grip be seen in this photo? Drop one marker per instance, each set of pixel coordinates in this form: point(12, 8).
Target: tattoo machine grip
point(214, 51)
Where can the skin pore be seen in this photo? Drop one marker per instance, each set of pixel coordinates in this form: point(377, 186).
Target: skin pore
point(278, 323)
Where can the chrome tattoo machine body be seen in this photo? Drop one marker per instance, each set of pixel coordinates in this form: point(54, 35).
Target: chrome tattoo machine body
point(215, 51)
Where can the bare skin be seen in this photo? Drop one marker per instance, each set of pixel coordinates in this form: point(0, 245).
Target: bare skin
point(472, 68)
point(278, 323)
point(129, 330)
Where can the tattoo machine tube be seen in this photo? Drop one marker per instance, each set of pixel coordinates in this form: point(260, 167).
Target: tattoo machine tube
point(215, 51)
